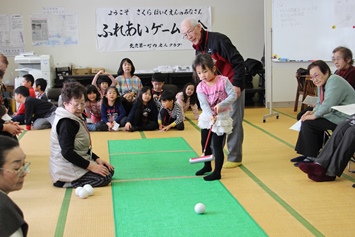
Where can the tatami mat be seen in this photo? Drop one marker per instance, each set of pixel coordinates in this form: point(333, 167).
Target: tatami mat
point(277, 195)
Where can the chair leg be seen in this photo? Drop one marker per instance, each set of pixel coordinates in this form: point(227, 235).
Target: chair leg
point(296, 102)
point(352, 159)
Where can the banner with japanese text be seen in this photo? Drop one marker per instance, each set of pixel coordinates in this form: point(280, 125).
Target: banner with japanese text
point(141, 29)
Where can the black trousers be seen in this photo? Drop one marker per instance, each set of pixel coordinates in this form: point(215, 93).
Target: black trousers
point(141, 123)
point(311, 137)
point(166, 119)
point(214, 146)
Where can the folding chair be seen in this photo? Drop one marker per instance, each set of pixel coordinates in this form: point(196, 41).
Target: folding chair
point(304, 87)
point(352, 160)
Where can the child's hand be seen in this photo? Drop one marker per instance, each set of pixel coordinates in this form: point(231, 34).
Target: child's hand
point(109, 125)
point(216, 109)
point(166, 128)
point(128, 126)
point(160, 126)
point(213, 119)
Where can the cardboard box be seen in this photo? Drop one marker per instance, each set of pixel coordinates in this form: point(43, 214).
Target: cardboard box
point(97, 69)
point(81, 71)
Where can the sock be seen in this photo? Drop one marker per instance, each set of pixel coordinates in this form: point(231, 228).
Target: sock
point(67, 185)
point(212, 177)
point(206, 168)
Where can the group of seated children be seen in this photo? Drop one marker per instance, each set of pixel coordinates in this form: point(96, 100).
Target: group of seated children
point(34, 110)
point(149, 109)
point(111, 103)
point(123, 102)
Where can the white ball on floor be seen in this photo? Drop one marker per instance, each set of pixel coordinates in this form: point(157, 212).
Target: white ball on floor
point(200, 208)
point(89, 188)
point(83, 193)
point(77, 190)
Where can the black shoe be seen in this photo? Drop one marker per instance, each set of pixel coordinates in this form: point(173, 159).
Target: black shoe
point(298, 158)
point(303, 161)
point(133, 128)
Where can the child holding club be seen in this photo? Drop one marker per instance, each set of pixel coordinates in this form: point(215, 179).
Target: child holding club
point(216, 95)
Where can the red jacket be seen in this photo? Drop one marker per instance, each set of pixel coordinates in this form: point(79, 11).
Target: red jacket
point(21, 108)
point(348, 74)
point(229, 61)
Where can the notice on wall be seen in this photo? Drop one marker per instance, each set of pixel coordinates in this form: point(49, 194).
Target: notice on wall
point(11, 34)
point(141, 29)
point(54, 29)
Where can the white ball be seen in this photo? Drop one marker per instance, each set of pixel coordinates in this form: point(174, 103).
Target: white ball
point(200, 208)
point(83, 193)
point(77, 190)
point(89, 188)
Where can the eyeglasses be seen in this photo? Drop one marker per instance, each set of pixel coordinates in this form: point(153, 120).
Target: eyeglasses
point(336, 59)
point(82, 105)
point(189, 32)
point(23, 169)
point(315, 77)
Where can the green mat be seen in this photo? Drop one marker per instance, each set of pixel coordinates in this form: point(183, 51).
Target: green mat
point(152, 158)
point(165, 207)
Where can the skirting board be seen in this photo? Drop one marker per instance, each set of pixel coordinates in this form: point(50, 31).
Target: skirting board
point(282, 104)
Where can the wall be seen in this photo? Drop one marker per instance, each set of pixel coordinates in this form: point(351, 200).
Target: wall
point(280, 79)
point(313, 28)
point(241, 20)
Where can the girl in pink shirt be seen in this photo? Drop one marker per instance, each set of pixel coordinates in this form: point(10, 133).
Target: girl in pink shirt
point(216, 95)
point(92, 106)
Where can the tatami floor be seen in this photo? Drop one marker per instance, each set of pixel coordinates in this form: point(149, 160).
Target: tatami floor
point(278, 196)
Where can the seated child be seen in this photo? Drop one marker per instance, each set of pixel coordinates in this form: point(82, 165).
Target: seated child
point(102, 83)
point(158, 81)
point(144, 114)
point(112, 111)
point(27, 81)
point(39, 113)
point(40, 88)
point(188, 98)
point(92, 106)
point(170, 114)
point(5, 118)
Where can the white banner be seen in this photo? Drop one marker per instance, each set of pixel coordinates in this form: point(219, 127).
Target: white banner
point(140, 29)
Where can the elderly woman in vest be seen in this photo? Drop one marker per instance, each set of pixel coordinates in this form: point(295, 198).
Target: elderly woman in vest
point(72, 162)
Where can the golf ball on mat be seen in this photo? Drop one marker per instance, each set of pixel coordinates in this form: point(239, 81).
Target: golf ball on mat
point(200, 208)
point(77, 190)
point(89, 188)
point(83, 193)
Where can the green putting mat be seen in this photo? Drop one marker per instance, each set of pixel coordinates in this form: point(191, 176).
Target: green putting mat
point(165, 207)
point(152, 158)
